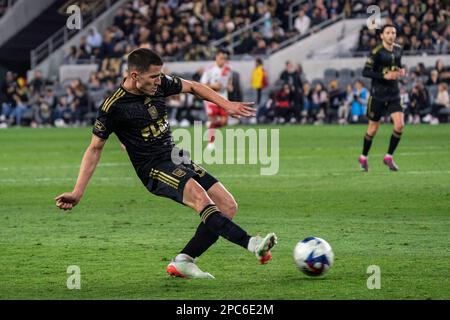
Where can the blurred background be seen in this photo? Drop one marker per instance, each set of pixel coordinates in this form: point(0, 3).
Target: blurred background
point(312, 55)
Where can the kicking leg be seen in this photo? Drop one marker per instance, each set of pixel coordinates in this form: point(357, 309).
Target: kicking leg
point(228, 206)
point(218, 224)
point(204, 238)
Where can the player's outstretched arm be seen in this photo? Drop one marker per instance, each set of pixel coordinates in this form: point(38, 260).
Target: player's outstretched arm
point(68, 200)
point(204, 92)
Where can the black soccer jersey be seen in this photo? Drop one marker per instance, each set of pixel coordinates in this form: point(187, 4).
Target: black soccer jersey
point(141, 124)
point(377, 65)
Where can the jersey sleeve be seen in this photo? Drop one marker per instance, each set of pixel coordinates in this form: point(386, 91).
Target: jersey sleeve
point(170, 85)
point(369, 68)
point(205, 77)
point(104, 124)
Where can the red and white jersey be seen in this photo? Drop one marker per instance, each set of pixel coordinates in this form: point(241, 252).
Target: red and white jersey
point(214, 74)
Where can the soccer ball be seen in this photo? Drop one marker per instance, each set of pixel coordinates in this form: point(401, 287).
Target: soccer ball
point(313, 256)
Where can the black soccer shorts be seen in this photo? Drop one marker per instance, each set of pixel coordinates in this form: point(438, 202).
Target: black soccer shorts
point(167, 179)
point(377, 108)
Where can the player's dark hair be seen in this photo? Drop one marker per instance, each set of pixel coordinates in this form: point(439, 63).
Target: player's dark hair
point(388, 25)
point(141, 59)
point(222, 51)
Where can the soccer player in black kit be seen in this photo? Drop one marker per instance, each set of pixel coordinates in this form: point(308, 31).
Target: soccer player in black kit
point(137, 114)
point(384, 68)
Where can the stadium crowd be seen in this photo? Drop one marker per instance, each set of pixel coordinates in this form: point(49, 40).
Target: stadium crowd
point(183, 30)
point(292, 99)
point(424, 26)
point(6, 5)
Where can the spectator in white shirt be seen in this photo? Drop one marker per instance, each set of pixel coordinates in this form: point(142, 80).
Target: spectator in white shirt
point(94, 39)
point(302, 22)
point(441, 106)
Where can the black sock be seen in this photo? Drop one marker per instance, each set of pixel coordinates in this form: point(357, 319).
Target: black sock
point(367, 144)
point(223, 226)
point(200, 242)
point(395, 139)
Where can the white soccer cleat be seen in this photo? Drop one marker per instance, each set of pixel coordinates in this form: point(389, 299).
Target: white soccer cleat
point(261, 247)
point(183, 266)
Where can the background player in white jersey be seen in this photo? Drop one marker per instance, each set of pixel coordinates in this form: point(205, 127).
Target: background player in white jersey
point(217, 77)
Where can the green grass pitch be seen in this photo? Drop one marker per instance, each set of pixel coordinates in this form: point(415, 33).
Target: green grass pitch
point(122, 237)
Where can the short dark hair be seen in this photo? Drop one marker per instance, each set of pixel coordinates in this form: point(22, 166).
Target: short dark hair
point(223, 51)
point(141, 59)
point(388, 25)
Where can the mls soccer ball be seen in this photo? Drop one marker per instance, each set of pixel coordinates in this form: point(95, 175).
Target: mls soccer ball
point(313, 256)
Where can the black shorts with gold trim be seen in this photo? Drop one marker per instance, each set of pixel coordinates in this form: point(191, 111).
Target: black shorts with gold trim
point(377, 108)
point(167, 179)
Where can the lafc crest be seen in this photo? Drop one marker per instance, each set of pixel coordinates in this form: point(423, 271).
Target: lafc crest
point(153, 112)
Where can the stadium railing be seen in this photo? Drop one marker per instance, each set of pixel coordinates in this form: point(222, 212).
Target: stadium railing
point(57, 40)
point(313, 29)
point(233, 39)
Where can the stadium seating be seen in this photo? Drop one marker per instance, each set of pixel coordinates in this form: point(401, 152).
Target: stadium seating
point(139, 18)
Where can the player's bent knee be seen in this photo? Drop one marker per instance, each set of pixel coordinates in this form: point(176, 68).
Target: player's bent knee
point(195, 196)
point(399, 127)
point(231, 208)
point(372, 131)
point(201, 200)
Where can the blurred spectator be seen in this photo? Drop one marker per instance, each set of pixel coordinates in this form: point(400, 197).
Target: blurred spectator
point(94, 39)
point(443, 71)
point(344, 110)
point(434, 78)
point(259, 79)
point(359, 102)
point(235, 89)
point(404, 99)
point(420, 102)
point(283, 104)
point(62, 114)
point(320, 102)
point(441, 107)
point(336, 97)
point(18, 111)
point(38, 83)
point(307, 102)
point(422, 26)
point(302, 22)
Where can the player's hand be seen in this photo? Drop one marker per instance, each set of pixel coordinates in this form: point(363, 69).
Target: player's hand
point(67, 200)
point(243, 109)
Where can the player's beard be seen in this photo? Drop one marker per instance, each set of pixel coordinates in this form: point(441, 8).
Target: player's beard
point(390, 41)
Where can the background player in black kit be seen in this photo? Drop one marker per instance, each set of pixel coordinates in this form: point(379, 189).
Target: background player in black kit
point(137, 114)
point(384, 68)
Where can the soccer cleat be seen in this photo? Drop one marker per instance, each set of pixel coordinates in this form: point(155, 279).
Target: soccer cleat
point(363, 163)
point(262, 248)
point(389, 161)
point(183, 266)
point(266, 258)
